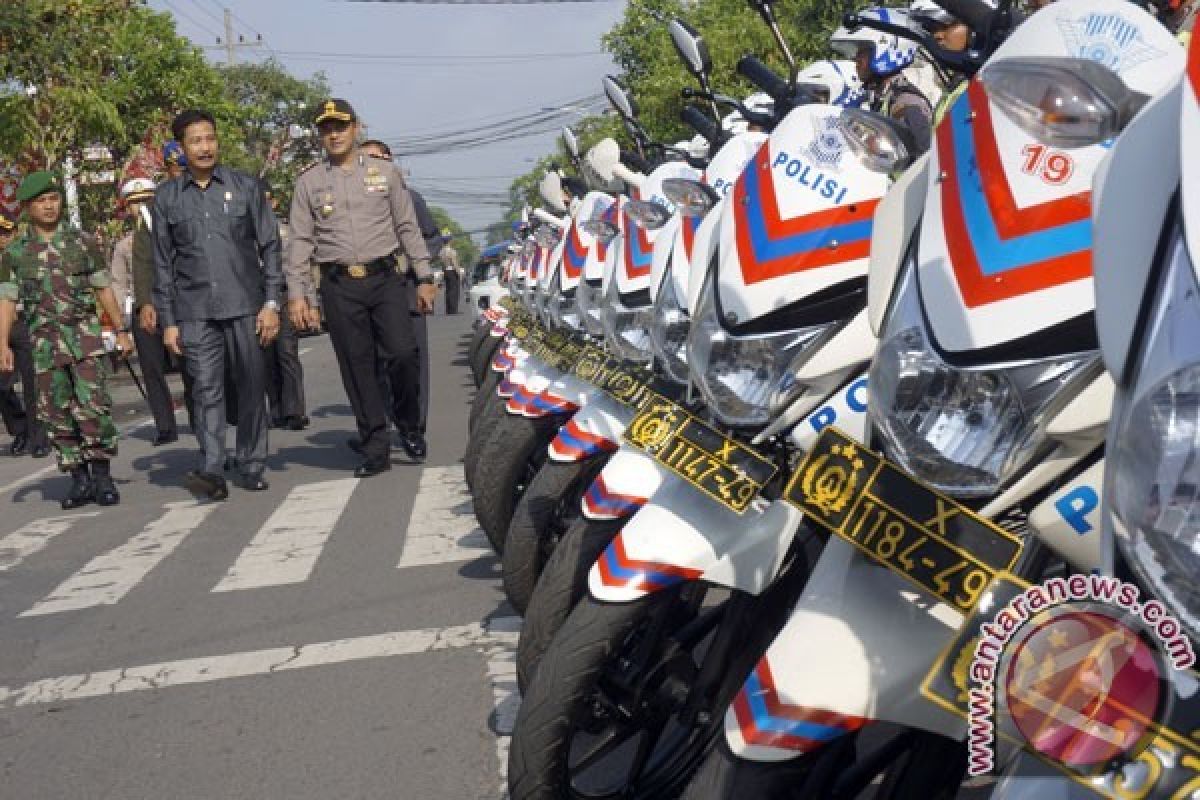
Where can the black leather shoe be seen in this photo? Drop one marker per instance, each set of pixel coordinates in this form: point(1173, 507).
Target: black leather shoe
point(355, 444)
point(106, 492)
point(370, 468)
point(231, 464)
point(19, 446)
point(165, 437)
point(40, 451)
point(82, 492)
point(211, 486)
point(252, 483)
point(414, 446)
point(296, 423)
point(278, 422)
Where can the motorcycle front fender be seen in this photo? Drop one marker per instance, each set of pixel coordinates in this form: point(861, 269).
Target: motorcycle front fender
point(566, 394)
point(681, 536)
point(596, 428)
point(858, 644)
point(626, 484)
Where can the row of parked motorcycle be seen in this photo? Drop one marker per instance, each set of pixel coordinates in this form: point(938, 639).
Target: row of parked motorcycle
point(770, 421)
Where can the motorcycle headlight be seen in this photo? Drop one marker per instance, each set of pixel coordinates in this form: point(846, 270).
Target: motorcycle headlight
point(746, 379)
point(963, 430)
point(627, 330)
point(669, 332)
point(690, 198)
point(1153, 471)
point(589, 299)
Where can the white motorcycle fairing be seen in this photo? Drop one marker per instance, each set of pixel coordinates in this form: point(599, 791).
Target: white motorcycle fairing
point(878, 635)
point(637, 245)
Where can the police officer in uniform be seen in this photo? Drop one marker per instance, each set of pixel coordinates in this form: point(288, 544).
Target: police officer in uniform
point(60, 277)
point(353, 214)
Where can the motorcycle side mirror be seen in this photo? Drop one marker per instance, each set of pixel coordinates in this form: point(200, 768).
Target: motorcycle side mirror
point(1065, 102)
point(570, 142)
point(551, 191)
point(604, 158)
point(691, 47)
point(619, 98)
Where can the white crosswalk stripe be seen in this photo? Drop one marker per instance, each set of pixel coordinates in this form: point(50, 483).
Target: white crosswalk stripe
point(29, 539)
point(109, 577)
point(285, 550)
point(442, 527)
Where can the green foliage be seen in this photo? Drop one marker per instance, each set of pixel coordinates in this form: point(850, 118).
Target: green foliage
point(653, 72)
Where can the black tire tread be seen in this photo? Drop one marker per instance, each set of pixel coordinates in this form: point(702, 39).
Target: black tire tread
point(501, 465)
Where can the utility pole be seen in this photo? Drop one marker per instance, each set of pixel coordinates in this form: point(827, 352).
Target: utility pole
point(232, 45)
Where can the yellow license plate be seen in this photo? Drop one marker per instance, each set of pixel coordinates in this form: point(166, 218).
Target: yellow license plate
point(722, 468)
point(900, 523)
point(632, 387)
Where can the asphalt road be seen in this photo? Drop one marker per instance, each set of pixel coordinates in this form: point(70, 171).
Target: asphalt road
point(328, 638)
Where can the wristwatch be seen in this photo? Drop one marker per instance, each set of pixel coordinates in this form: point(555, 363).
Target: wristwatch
point(426, 279)
point(272, 304)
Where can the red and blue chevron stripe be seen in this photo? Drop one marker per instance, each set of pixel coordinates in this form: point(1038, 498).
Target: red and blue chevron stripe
point(639, 250)
point(599, 502)
point(503, 362)
point(506, 388)
point(609, 216)
point(769, 246)
point(690, 225)
point(574, 253)
point(521, 397)
point(999, 251)
point(767, 721)
point(545, 403)
point(1193, 66)
point(618, 570)
point(575, 444)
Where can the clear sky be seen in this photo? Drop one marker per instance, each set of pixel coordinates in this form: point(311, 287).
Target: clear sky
point(418, 69)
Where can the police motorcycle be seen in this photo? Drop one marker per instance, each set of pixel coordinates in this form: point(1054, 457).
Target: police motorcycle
point(986, 417)
point(625, 699)
point(537, 395)
point(488, 325)
point(652, 238)
point(632, 477)
point(1146, 319)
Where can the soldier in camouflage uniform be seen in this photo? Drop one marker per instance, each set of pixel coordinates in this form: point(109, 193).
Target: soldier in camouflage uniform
point(60, 278)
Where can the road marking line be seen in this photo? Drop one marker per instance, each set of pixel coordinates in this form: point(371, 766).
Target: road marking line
point(252, 663)
point(286, 548)
point(38, 474)
point(442, 526)
point(502, 673)
point(109, 577)
point(29, 539)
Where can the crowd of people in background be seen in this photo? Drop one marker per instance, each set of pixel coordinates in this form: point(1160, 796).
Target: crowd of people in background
point(211, 281)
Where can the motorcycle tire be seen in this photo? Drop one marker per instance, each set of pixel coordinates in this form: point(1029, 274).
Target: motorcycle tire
point(515, 450)
point(550, 506)
point(483, 358)
point(932, 769)
point(491, 412)
point(481, 334)
point(559, 588)
point(485, 394)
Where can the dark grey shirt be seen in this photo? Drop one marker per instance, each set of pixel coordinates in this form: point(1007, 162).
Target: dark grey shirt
point(216, 250)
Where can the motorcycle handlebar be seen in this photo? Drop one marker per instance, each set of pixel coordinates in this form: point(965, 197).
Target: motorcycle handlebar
point(762, 76)
point(701, 124)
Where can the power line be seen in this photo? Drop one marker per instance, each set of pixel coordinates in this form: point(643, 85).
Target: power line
point(181, 13)
point(204, 10)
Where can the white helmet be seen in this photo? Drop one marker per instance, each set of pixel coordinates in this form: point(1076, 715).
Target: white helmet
point(697, 147)
point(889, 53)
point(734, 123)
point(927, 12)
point(759, 102)
point(836, 82)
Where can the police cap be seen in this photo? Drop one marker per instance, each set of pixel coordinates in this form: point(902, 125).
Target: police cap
point(336, 108)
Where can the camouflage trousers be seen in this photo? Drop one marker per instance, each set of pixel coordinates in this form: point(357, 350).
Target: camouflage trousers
point(75, 407)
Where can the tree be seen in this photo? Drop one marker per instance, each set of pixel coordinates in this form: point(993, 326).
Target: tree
point(275, 113)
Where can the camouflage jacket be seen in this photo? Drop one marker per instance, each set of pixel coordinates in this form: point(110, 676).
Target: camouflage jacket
point(55, 282)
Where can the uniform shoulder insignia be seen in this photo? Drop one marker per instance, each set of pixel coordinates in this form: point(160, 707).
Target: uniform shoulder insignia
point(377, 155)
point(306, 168)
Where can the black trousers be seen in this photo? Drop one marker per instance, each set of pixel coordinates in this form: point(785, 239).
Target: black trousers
point(20, 418)
point(285, 374)
point(154, 360)
point(396, 401)
point(208, 346)
point(453, 289)
point(363, 314)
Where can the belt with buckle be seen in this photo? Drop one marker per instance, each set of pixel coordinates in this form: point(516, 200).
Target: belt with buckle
point(362, 270)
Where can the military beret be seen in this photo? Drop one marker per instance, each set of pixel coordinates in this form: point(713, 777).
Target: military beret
point(173, 154)
point(336, 108)
point(37, 184)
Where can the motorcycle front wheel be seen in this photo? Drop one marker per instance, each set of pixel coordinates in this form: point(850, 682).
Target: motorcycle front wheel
point(483, 357)
point(515, 451)
point(480, 335)
point(549, 507)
